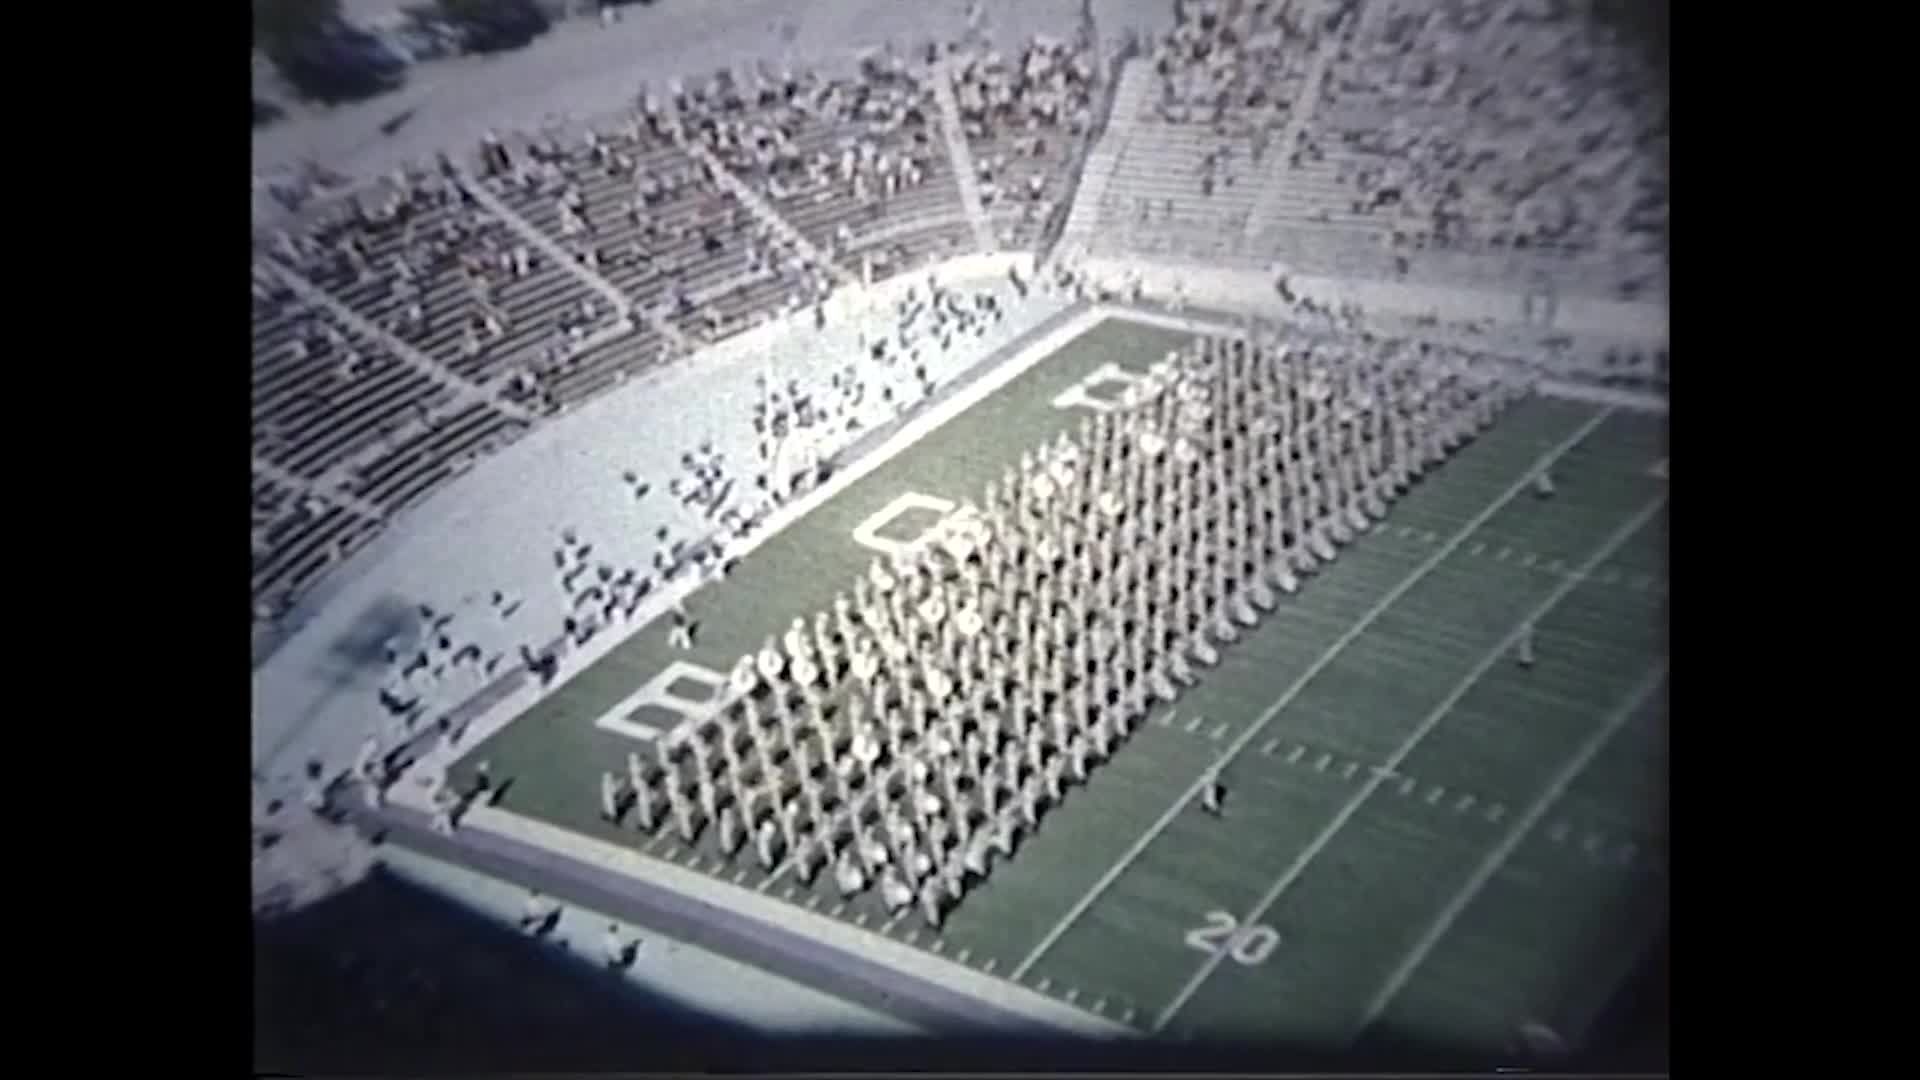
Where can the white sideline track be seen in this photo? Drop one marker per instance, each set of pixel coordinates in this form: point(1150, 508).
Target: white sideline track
point(1333, 651)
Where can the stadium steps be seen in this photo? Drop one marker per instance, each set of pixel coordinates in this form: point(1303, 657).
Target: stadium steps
point(605, 366)
point(603, 197)
point(964, 170)
point(751, 199)
point(328, 427)
point(285, 382)
point(309, 488)
point(302, 535)
point(277, 369)
point(406, 353)
point(827, 217)
point(898, 246)
point(1320, 202)
point(330, 445)
point(1019, 225)
point(1007, 165)
point(905, 215)
point(386, 403)
point(528, 304)
point(616, 240)
point(308, 417)
point(1300, 114)
point(1136, 80)
point(818, 209)
point(719, 281)
point(1156, 184)
point(413, 469)
point(535, 331)
point(919, 225)
point(543, 242)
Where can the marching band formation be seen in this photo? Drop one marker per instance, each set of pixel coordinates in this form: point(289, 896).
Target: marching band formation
point(908, 738)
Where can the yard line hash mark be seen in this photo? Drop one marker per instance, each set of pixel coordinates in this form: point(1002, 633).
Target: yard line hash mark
point(1501, 852)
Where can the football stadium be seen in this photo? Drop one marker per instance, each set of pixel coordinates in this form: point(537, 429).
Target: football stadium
point(1136, 523)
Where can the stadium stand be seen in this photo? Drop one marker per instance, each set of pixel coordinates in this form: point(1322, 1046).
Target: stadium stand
point(416, 325)
point(899, 741)
point(1436, 143)
point(1021, 117)
point(426, 320)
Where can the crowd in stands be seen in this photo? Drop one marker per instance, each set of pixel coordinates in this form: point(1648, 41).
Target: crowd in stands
point(853, 162)
point(1238, 71)
point(1021, 117)
point(1497, 142)
point(406, 330)
point(1510, 129)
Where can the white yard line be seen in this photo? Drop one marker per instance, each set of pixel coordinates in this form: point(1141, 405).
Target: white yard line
point(1333, 651)
point(1499, 855)
point(1467, 802)
point(868, 944)
point(1500, 651)
point(511, 707)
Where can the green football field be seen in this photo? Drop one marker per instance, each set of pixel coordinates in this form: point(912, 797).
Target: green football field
point(1421, 839)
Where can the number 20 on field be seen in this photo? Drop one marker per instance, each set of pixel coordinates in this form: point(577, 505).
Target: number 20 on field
point(1246, 945)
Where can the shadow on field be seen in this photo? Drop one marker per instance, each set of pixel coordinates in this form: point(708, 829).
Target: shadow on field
point(388, 977)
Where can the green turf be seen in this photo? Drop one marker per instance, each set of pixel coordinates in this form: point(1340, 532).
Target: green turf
point(1377, 885)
